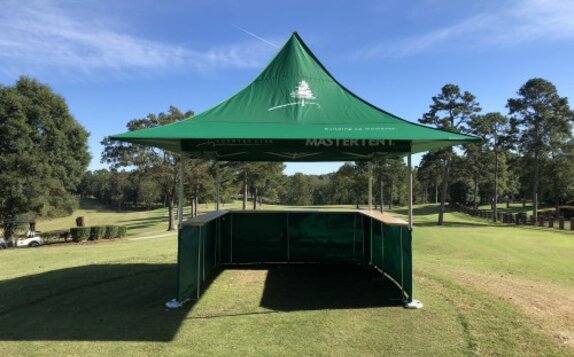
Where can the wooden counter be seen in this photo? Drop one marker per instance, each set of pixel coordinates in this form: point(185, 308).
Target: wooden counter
point(386, 218)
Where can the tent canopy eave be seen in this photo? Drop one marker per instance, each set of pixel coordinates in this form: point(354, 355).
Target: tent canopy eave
point(295, 110)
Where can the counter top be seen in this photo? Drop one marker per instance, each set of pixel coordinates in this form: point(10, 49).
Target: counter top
point(383, 217)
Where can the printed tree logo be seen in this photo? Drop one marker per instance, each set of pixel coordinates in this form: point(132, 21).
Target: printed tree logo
point(302, 93)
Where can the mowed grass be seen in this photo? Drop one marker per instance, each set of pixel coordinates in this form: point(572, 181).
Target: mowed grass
point(487, 289)
point(141, 224)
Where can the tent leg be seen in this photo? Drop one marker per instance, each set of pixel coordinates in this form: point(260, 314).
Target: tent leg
point(174, 303)
point(412, 304)
point(370, 186)
point(180, 193)
point(410, 192)
point(217, 184)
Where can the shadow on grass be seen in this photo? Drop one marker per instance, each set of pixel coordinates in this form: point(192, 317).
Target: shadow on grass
point(93, 204)
point(120, 302)
point(124, 302)
point(319, 287)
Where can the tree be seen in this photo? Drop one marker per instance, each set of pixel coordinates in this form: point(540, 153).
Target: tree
point(299, 190)
point(558, 184)
point(148, 192)
point(258, 178)
point(43, 152)
point(200, 182)
point(429, 172)
point(451, 110)
point(494, 130)
point(379, 168)
point(341, 185)
point(459, 192)
point(360, 182)
point(119, 188)
point(157, 164)
point(541, 123)
point(393, 172)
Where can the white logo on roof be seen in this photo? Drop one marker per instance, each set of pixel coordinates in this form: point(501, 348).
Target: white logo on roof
point(303, 94)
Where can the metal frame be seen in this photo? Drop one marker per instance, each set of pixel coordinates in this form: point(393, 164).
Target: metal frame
point(217, 186)
point(409, 160)
point(180, 193)
point(370, 186)
point(201, 248)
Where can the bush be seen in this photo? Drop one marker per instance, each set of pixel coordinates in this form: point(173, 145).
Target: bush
point(53, 235)
point(122, 230)
point(111, 232)
point(97, 232)
point(80, 234)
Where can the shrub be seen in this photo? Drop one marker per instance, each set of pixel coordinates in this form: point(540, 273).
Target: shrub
point(80, 233)
point(81, 221)
point(122, 230)
point(111, 232)
point(53, 235)
point(97, 232)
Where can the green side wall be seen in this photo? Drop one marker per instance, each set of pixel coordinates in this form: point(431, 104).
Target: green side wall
point(268, 237)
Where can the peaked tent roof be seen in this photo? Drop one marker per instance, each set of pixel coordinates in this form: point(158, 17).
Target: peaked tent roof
point(295, 111)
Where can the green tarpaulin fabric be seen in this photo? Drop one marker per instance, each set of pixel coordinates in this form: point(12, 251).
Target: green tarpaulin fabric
point(295, 110)
point(240, 237)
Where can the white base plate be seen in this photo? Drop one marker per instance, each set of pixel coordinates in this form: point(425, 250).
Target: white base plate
point(415, 304)
point(173, 304)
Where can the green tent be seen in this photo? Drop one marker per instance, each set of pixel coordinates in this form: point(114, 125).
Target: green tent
point(295, 111)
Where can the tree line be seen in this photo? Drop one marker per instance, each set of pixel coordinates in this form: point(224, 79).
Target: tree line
point(525, 153)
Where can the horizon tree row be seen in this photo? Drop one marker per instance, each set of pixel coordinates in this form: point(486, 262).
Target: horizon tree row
point(527, 153)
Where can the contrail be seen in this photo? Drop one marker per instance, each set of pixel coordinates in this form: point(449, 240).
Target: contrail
point(257, 37)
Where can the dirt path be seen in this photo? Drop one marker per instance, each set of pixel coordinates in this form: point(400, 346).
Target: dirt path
point(550, 305)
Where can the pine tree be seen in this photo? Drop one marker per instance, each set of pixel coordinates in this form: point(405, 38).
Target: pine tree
point(541, 122)
point(451, 110)
point(494, 130)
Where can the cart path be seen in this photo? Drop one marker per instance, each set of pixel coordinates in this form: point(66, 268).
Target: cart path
point(170, 234)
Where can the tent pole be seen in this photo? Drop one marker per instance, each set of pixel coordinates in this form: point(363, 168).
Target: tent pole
point(410, 192)
point(412, 304)
point(217, 184)
point(370, 186)
point(180, 193)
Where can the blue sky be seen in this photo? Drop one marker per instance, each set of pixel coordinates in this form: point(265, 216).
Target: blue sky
point(118, 60)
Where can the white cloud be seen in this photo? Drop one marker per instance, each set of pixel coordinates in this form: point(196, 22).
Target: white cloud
point(511, 23)
point(36, 36)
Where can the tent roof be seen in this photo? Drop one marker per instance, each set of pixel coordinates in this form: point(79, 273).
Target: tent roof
point(295, 111)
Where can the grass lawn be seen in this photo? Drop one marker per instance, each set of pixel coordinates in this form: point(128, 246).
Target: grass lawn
point(518, 207)
point(487, 289)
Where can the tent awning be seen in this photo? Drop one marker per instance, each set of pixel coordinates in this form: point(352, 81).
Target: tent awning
point(295, 111)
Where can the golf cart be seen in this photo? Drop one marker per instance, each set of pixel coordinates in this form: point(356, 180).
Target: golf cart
point(30, 239)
